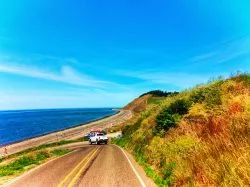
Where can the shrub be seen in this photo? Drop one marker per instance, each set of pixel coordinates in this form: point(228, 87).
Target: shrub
point(25, 161)
point(129, 129)
point(243, 78)
point(160, 93)
point(180, 106)
point(17, 166)
point(197, 96)
point(42, 155)
point(210, 95)
point(120, 141)
point(170, 115)
point(213, 97)
point(164, 121)
point(168, 171)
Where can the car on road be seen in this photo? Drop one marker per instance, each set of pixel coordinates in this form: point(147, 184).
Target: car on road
point(98, 138)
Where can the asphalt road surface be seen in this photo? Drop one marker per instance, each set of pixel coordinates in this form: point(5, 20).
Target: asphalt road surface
point(96, 165)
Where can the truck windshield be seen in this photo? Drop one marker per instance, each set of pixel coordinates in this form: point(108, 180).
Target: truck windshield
point(99, 134)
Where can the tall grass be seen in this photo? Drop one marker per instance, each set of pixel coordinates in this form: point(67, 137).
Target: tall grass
point(203, 140)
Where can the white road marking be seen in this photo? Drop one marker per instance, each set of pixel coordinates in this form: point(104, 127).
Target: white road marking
point(133, 168)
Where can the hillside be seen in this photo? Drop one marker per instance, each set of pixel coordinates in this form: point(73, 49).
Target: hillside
point(138, 105)
point(152, 97)
point(199, 137)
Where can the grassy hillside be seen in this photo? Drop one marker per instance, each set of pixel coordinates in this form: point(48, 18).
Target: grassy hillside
point(199, 137)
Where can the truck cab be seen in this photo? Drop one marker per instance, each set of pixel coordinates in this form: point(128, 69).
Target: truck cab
point(98, 138)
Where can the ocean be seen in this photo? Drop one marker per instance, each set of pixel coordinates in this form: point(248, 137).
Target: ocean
point(18, 125)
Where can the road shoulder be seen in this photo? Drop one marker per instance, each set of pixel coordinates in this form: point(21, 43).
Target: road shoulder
point(139, 171)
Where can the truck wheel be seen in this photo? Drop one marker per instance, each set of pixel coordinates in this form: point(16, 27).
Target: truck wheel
point(97, 143)
point(106, 142)
point(90, 142)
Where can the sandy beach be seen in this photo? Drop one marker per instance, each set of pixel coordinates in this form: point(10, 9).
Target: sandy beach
point(70, 133)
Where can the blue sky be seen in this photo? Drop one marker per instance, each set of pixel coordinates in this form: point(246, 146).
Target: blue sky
point(81, 53)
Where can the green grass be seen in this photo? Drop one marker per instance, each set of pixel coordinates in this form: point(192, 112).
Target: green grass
point(243, 77)
point(59, 152)
point(32, 156)
point(42, 155)
point(150, 172)
point(54, 144)
point(155, 100)
point(40, 147)
point(19, 165)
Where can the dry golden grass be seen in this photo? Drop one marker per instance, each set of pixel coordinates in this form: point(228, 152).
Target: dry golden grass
point(210, 145)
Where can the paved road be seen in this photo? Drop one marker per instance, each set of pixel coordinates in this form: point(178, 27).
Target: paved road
point(96, 165)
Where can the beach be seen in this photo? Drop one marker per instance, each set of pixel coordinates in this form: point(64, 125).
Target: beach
point(71, 133)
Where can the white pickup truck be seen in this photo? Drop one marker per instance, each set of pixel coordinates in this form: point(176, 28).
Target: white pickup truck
point(98, 138)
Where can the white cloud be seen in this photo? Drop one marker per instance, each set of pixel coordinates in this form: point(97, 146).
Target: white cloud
point(224, 52)
point(67, 75)
point(74, 99)
point(179, 79)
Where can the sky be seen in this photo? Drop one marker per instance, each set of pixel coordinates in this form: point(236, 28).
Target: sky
point(83, 53)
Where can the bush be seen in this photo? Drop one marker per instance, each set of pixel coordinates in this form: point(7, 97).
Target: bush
point(180, 106)
point(168, 171)
point(160, 93)
point(210, 95)
point(164, 121)
point(243, 78)
point(42, 155)
point(17, 166)
point(129, 129)
point(170, 115)
point(119, 141)
point(213, 97)
point(197, 96)
point(25, 161)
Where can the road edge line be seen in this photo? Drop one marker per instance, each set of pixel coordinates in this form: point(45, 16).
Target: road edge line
point(33, 169)
point(133, 168)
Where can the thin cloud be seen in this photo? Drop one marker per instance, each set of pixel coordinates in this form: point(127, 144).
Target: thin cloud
point(50, 58)
point(66, 75)
point(179, 79)
point(60, 99)
point(225, 52)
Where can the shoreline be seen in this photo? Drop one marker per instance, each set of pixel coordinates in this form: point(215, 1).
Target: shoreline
point(69, 133)
point(56, 131)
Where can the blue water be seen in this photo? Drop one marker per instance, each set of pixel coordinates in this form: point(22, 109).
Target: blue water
point(19, 125)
